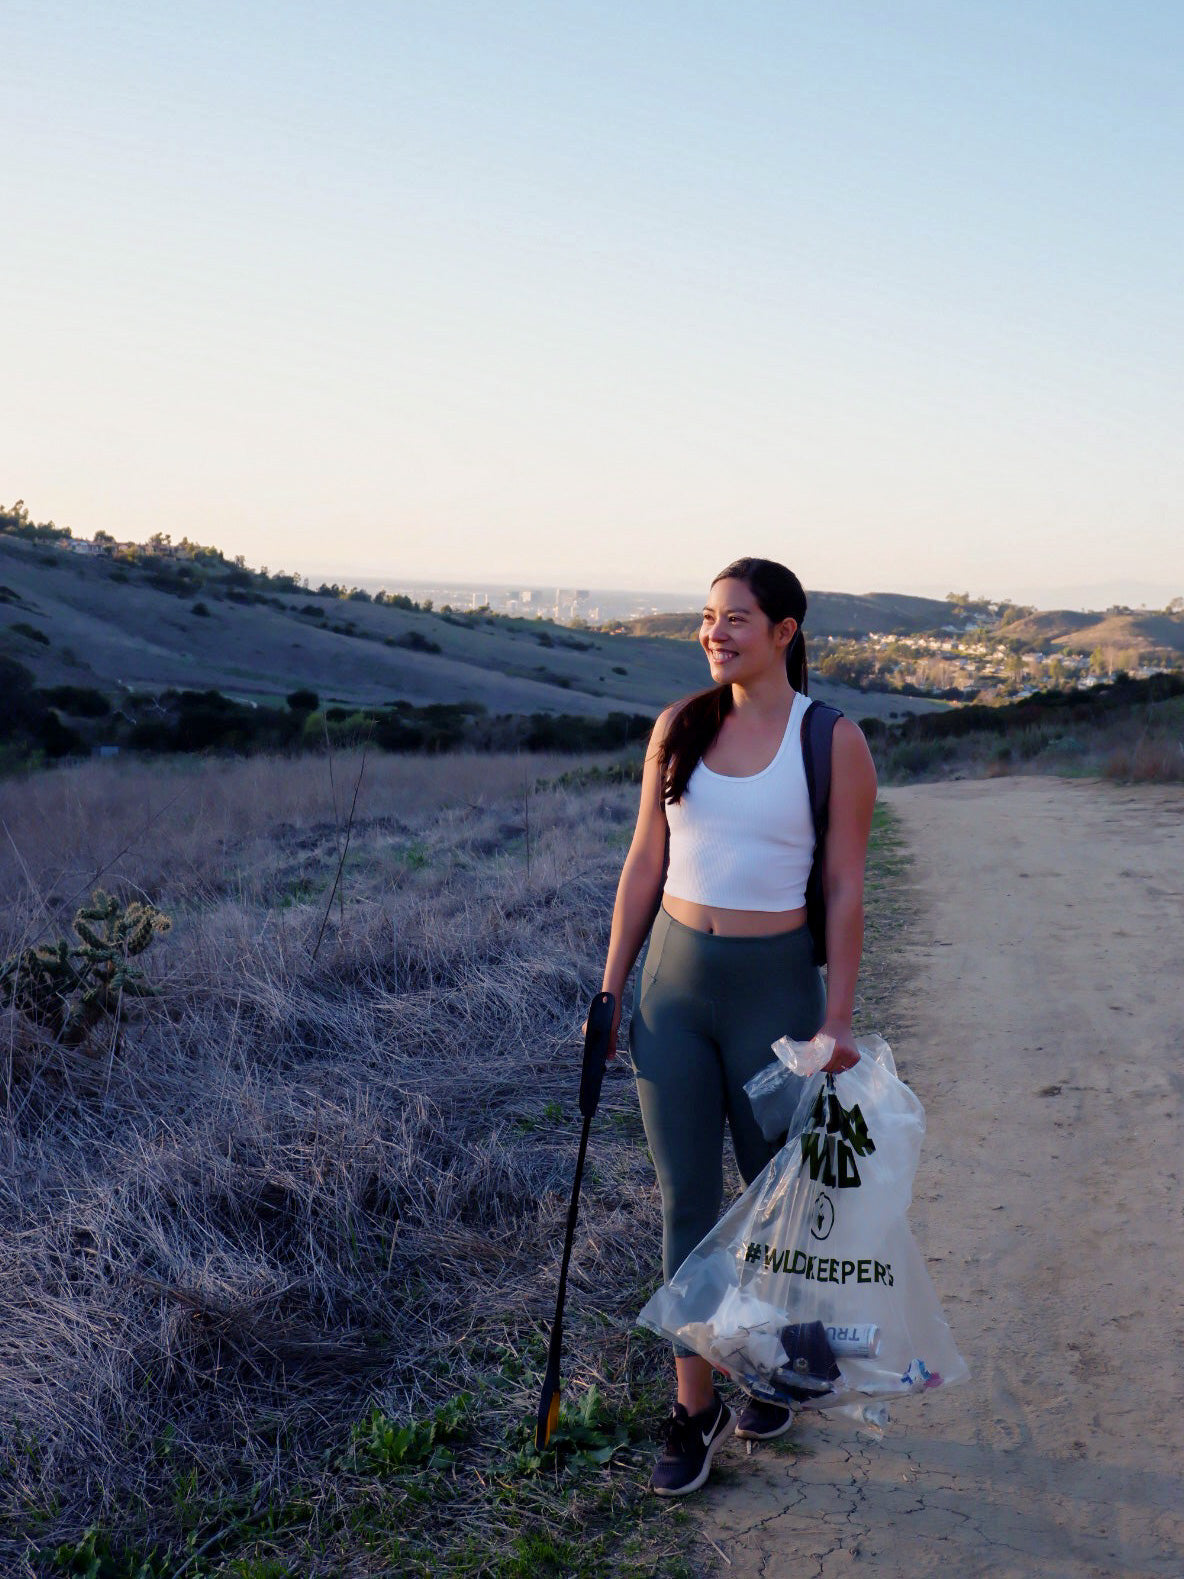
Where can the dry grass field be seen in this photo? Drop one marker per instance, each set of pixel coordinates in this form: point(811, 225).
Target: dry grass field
point(280, 1249)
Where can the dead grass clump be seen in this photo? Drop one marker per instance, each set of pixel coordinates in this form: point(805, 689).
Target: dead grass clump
point(308, 1186)
point(1150, 760)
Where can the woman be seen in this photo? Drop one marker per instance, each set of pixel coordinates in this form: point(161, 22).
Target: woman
point(718, 865)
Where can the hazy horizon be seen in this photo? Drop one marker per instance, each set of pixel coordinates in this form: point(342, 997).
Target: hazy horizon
point(1082, 598)
point(603, 292)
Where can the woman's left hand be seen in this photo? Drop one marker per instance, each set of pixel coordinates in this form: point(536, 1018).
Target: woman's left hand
point(845, 1055)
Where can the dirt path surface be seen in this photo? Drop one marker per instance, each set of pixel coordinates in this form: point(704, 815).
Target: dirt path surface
point(1045, 1035)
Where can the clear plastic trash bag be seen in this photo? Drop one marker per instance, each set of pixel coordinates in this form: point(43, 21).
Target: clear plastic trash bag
point(811, 1290)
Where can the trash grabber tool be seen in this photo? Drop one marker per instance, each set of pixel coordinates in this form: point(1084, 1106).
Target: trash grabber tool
point(596, 1050)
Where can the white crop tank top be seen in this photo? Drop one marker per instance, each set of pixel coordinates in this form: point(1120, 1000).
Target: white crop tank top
point(745, 843)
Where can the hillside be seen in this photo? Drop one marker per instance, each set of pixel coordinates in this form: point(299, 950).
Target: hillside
point(118, 627)
point(841, 614)
point(1148, 633)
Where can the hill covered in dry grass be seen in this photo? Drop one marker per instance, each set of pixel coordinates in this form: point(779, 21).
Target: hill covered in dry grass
point(1145, 635)
point(93, 622)
point(840, 614)
point(173, 653)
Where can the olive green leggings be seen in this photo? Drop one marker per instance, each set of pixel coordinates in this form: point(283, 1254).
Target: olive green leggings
point(708, 1011)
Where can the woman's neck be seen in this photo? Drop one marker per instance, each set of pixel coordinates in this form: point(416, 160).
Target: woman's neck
point(768, 696)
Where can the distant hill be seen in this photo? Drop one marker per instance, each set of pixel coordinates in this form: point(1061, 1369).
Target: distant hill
point(1147, 633)
point(844, 614)
point(152, 622)
point(1143, 636)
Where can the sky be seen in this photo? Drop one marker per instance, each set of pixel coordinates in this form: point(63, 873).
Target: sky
point(605, 294)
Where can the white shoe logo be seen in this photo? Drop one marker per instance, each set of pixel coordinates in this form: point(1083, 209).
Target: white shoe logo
point(707, 1435)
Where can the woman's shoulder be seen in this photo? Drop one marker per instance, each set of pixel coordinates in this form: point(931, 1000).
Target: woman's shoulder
point(851, 760)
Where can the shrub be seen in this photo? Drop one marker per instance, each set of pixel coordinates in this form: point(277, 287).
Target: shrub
point(58, 739)
point(1148, 761)
point(415, 641)
point(30, 632)
point(567, 732)
point(909, 758)
point(79, 701)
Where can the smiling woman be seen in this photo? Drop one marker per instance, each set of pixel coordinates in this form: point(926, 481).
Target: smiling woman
point(717, 875)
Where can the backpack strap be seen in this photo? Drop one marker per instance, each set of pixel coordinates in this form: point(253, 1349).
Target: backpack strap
point(818, 727)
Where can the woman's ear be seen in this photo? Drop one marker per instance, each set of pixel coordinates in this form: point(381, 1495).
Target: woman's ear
point(785, 631)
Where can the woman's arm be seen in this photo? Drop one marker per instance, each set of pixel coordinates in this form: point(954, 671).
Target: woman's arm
point(640, 888)
point(852, 801)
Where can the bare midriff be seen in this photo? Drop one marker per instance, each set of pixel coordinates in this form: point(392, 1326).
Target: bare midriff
point(732, 923)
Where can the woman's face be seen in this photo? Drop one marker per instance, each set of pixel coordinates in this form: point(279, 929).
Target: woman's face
point(740, 640)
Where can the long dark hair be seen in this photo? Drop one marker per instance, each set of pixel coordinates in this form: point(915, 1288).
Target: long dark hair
point(779, 596)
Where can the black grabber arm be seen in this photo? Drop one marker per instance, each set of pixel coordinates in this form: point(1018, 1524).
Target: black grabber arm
point(596, 1051)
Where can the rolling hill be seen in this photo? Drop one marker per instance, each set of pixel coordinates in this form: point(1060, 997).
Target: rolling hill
point(1149, 633)
point(840, 614)
point(96, 622)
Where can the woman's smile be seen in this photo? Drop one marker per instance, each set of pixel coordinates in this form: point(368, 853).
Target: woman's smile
point(735, 630)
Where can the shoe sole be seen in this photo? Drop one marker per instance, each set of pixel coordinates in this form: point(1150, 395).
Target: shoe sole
point(693, 1485)
point(764, 1436)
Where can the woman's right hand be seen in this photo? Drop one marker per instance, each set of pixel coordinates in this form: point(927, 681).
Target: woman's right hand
point(612, 1035)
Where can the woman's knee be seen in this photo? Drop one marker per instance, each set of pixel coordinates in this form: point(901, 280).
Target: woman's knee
point(688, 1216)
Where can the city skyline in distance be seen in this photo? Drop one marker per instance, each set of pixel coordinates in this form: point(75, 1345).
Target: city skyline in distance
point(1129, 592)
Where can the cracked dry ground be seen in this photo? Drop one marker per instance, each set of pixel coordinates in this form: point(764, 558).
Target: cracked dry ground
point(1044, 1031)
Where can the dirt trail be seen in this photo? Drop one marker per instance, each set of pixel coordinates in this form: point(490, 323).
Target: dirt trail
point(1045, 1037)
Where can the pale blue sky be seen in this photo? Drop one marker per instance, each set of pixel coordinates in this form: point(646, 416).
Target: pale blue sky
point(605, 293)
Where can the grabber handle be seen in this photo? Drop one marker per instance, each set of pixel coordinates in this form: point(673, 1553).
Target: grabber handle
point(596, 1050)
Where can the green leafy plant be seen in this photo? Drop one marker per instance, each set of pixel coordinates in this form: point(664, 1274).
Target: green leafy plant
point(590, 1435)
point(67, 989)
point(378, 1445)
point(96, 1556)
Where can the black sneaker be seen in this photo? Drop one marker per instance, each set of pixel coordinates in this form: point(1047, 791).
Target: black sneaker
point(690, 1442)
point(761, 1421)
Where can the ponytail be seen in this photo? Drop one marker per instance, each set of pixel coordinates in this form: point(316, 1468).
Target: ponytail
point(690, 732)
point(796, 666)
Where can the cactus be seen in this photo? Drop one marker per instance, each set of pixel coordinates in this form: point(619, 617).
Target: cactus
point(67, 989)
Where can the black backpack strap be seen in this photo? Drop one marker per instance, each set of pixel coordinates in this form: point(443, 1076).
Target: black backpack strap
point(818, 727)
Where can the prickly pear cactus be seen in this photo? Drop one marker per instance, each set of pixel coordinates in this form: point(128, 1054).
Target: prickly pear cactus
point(67, 989)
